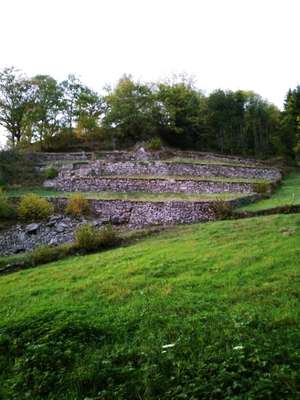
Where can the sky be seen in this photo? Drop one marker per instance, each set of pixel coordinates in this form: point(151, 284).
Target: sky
point(228, 44)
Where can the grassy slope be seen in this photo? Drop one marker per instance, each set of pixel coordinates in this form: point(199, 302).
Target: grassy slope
point(131, 196)
point(184, 178)
point(226, 293)
point(287, 194)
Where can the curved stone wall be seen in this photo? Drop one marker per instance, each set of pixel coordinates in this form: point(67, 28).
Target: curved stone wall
point(94, 184)
point(160, 168)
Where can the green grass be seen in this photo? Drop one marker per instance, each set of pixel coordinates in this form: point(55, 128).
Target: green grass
point(182, 160)
point(287, 194)
point(130, 196)
point(222, 297)
point(188, 178)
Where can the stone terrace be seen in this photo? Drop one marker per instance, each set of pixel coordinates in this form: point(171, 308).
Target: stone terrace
point(189, 173)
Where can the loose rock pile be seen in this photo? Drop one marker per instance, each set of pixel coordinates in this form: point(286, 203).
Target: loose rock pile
point(58, 229)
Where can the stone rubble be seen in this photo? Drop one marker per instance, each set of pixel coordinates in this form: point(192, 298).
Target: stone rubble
point(21, 237)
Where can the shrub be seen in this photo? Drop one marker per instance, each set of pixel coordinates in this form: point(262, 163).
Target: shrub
point(17, 168)
point(222, 209)
point(33, 207)
point(44, 254)
point(261, 188)
point(77, 205)
point(51, 173)
point(6, 209)
point(108, 236)
point(87, 238)
point(154, 144)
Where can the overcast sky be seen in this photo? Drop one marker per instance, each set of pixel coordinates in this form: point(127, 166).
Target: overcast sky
point(229, 44)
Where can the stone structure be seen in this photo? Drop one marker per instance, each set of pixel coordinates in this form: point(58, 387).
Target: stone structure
point(57, 230)
point(48, 157)
point(123, 184)
point(139, 171)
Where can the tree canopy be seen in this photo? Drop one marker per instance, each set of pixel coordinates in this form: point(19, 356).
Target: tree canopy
point(40, 110)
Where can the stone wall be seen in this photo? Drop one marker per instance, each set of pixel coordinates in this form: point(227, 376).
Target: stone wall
point(122, 155)
point(137, 214)
point(94, 184)
point(140, 213)
point(160, 168)
point(46, 157)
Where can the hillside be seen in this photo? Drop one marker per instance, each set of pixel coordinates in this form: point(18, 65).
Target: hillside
point(206, 311)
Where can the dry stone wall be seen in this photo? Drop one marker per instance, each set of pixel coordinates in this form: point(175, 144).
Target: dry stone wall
point(160, 168)
point(177, 169)
point(140, 213)
point(91, 184)
point(46, 157)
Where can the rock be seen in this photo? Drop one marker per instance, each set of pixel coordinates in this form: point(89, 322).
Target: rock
point(19, 249)
point(32, 228)
point(21, 236)
point(96, 223)
point(61, 227)
point(53, 242)
point(141, 154)
point(53, 220)
point(49, 183)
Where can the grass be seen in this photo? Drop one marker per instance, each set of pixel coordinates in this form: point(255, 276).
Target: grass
point(205, 311)
point(130, 196)
point(182, 160)
point(186, 177)
point(285, 195)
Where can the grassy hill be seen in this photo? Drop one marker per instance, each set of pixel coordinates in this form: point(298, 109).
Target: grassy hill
point(287, 194)
point(207, 311)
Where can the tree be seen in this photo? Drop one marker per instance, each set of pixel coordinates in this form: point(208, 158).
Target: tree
point(46, 118)
point(130, 110)
point(16, 102)
point(81, 104)
point(181, 120)
point(290, 132)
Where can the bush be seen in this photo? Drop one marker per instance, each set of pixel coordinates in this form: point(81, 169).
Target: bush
point(44, 254)
point(6, 209)
point(108, 236)
point(17, 168)
point(222, 209)
point(51, 173)
point(33, 207)
point(154, 144)
point(261, 188)
point(87, 238)
point(77, 205)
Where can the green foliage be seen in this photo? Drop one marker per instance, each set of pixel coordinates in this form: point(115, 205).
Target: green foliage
point(154, 143)
point(87, 238)
point(261, 188)
point(51, 115)
point(7, 211)
point(131, 111)
point(222, 209)
point(33, 207)
point(108, 237)
point(77, 205)
point(290, 129)
point(194, 318)
point(45, 254)
point(51, 173)
point(288, 193)
point(17, 168)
